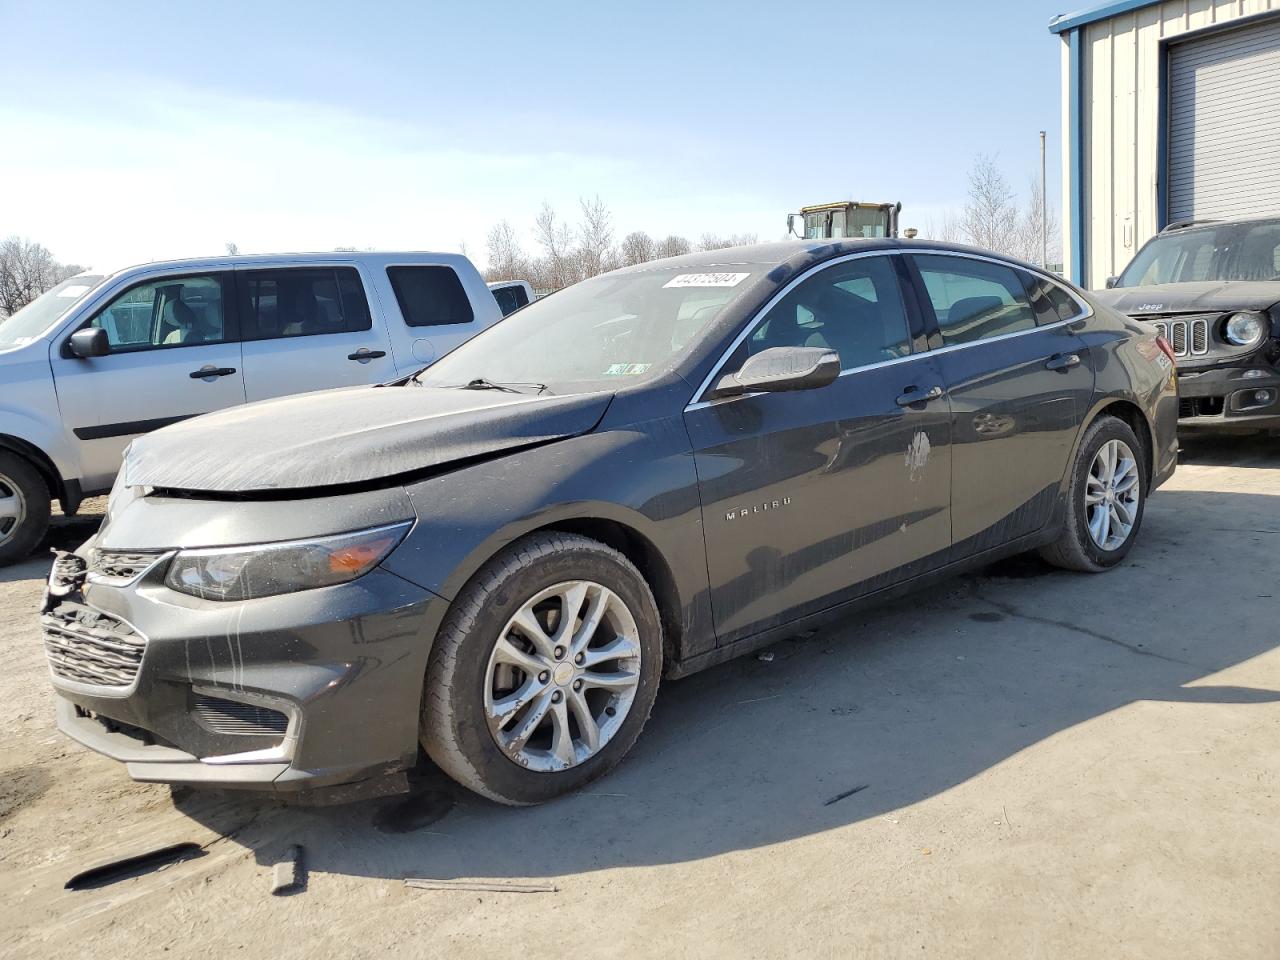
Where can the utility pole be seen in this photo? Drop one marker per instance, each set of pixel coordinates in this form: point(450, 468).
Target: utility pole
point(1044, 211)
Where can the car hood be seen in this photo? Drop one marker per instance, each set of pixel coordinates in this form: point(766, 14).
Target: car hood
point(1206, 296)
point(356, 435)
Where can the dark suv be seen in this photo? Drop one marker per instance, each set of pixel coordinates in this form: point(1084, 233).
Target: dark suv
point(1213, 290)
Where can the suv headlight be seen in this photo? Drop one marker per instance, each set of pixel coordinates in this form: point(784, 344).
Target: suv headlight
point(268, 569)
point(1245, 328)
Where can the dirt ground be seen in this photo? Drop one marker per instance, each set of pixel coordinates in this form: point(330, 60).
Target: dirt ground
point(1047, 764)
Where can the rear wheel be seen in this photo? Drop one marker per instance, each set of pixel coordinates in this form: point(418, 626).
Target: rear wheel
point(545, 670)
point(24, 508)
point(1105, 500)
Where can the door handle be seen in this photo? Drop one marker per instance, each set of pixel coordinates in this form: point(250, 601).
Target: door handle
point(913, 395)
point(211, 371)
point(364, 356)
point(1063, 361)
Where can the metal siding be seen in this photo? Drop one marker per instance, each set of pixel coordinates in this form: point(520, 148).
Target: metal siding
point(1224, 124)
point(1114, 146)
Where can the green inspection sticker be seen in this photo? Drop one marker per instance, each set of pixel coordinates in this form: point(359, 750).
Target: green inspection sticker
point(626, 369)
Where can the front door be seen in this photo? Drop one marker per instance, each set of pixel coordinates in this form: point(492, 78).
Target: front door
point(814, 497)
point(1019, 380)
point(175, 353)
point(309, 328)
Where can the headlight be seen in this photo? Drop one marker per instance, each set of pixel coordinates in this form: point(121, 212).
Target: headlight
point(264, 570)
point(1245, 328)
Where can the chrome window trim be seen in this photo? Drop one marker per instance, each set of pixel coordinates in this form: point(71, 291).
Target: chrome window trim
point(1086, 311)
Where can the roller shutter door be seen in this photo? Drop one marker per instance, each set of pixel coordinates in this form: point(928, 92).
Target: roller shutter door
point(1224, 125)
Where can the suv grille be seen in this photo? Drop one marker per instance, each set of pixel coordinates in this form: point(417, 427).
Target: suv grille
point(89, 646)
point(231, 716)
point(1189, 336)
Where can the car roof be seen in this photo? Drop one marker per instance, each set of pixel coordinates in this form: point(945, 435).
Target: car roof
point(1191, 225)
point(798, 253)
point(369, 257)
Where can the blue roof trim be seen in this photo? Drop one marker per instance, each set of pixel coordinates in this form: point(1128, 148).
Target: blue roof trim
point(1069, 21)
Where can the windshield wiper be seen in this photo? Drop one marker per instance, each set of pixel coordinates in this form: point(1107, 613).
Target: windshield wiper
point(480, 383)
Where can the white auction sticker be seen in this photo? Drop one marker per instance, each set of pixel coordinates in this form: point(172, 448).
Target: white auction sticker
point(707, 280)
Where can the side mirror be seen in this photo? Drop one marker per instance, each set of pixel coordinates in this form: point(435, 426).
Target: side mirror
point(781, 369)
point(1113, 282)
point(791, 225)
point(89, 342)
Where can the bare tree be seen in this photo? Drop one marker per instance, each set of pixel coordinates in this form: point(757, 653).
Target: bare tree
point(990, 217)
point(673, 246)
point(27, 270)
point(711, 241)
point(556, 268)
point(595, 237)
point(507, 261)
point(233, 249)
point(1030, 246)
point(637, 247)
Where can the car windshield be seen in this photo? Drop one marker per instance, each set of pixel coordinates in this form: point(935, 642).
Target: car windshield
point(41, 313)
point(1229, 252)
point(611, 330)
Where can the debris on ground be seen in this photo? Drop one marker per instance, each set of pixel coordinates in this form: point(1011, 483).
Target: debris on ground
point(848, 793)
point(481, 886)
point(289, 874)
point(766, 657)
point(133, 865)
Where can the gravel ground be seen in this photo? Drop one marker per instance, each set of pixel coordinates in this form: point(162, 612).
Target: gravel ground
point(1045, 764)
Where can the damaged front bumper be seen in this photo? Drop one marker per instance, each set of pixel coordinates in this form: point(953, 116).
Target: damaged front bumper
point(314, 693)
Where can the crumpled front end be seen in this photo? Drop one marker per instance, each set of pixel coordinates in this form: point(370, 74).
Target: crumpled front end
point(318, 688)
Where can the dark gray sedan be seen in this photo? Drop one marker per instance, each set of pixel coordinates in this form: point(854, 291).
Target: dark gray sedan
point(640, 476)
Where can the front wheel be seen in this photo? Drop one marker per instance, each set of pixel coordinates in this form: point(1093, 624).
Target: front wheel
point(24, 508)
point(1105, 500)
point(544, 671)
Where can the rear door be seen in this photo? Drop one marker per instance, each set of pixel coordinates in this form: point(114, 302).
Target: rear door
point(309, 328)
point(175, 353)
point(818, 496)
point(1020, 381)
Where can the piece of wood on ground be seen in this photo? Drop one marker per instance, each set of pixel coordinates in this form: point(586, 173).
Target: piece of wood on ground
point(481, 886)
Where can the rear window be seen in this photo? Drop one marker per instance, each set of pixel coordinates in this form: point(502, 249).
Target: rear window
point(430, 296)
point(510, 299)
point(303, 302)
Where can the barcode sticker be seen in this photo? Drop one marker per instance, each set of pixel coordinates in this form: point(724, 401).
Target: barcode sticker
point(706, 280)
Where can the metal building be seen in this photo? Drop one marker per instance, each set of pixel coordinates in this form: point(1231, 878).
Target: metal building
point(1171, 111)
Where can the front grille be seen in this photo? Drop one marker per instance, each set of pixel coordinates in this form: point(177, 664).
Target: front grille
point(1189, 336)
point(89, 646)
point(231, 716)
point(1200, 407)
point(122, 565)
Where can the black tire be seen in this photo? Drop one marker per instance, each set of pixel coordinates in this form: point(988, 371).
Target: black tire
point(1075, 548)
point(453, 727)
point(19, 537)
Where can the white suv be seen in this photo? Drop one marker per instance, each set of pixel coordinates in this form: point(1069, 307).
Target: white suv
point(96, 361)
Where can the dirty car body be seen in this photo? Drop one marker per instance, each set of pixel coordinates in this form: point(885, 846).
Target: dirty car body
point(1213, 290)
point(658, 411)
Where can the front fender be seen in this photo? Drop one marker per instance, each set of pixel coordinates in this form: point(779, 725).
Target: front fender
point(641, 477)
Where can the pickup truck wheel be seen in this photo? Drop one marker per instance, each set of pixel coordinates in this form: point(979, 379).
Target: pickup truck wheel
point(1105, 500)
point(24, 508)
point(544, 670)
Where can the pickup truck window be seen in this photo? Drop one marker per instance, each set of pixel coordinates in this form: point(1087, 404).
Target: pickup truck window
point(430, 296)
point(168, 312)
point(302, 302)
point(510, 299)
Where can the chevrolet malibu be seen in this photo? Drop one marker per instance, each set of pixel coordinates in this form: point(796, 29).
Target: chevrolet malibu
point(501, 558)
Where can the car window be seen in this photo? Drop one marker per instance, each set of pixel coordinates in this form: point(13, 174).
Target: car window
point(1051, 302)
point(510, 299)
point(169, 312)
point(974, 299)
point(430, 296)
point(302, 302)
point(854, 308)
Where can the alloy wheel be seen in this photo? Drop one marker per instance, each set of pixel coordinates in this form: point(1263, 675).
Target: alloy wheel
point(1112, 493)
point(562, 676)
point(13, 508)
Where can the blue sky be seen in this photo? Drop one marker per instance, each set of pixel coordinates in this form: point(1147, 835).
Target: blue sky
point(147, 131)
